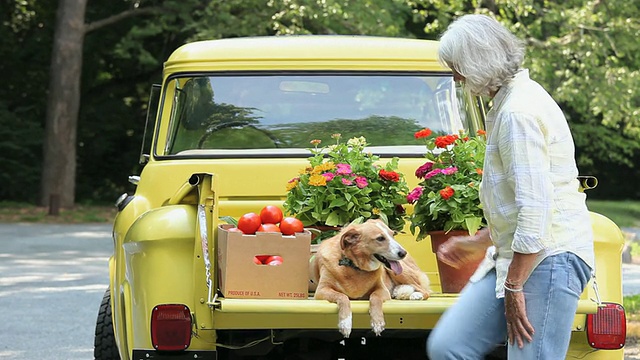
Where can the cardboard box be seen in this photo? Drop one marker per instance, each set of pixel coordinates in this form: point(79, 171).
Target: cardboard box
point(241, 278)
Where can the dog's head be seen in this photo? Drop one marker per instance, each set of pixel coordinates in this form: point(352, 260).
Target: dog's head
point(372, 244)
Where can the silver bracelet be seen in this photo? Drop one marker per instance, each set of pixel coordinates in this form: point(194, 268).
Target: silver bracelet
point(511, 289)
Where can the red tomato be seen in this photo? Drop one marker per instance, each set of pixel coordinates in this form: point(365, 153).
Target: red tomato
point(268, 228)
point(249, 223)
point(270, 214)
point(257, 261)
point(274, 260)
point(291, 225)
point(262, 258)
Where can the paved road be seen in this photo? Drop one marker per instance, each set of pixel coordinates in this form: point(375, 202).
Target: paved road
point(52, 278)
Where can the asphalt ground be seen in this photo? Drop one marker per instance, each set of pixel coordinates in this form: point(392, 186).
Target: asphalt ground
point(52, 279)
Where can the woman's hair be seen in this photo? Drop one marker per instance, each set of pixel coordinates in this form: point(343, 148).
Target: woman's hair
point(483, 51)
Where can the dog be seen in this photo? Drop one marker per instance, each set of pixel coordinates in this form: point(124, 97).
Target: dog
point(364, 261)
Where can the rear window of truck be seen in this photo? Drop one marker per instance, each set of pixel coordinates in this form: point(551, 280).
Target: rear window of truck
point(281, 113)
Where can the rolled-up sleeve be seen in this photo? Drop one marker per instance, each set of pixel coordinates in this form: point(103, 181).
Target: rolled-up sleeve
point(525, 159)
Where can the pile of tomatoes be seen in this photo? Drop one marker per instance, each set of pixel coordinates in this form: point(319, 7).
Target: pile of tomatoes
point(270, 219)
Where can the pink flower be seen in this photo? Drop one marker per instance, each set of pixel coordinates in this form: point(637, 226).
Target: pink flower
point(422, 170)
point(343, 169)
point(361, 182)
point(450, 170)
point(414, 195)
point(329, 176)
point(432, 173)
point(347, 181)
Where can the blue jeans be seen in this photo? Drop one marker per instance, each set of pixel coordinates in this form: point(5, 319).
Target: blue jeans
point(476, 323)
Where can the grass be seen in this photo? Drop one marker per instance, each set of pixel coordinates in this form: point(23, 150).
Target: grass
point(21, 212)
point(625, 213)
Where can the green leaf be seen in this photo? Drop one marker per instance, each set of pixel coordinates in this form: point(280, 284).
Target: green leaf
point(229, 220)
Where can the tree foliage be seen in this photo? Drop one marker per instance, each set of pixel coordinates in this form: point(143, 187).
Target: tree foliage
point(585, 53)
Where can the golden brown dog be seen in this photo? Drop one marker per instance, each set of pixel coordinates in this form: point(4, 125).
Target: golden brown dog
point(364, 261)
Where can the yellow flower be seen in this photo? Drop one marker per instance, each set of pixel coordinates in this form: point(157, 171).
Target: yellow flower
point(292, 185)
point(317, 180)
point(306, 170)
point(317, 170)
point(328, 166)
point(375, 211)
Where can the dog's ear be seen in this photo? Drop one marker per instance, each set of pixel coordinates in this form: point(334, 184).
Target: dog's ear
point(349, 237)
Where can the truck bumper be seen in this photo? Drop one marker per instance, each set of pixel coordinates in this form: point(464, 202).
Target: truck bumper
point(180, 355)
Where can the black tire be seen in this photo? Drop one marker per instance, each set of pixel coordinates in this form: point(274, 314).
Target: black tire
point(104, 345)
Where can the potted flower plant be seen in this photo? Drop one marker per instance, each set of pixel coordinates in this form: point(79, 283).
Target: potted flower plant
point(343, 184)
point(446, 201)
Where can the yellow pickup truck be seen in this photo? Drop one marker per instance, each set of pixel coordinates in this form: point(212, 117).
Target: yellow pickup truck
point(233, 119)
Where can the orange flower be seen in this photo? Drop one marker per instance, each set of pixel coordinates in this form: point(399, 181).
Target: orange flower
point(444, 141)
point(479, 171)
point(422, 133)
point(389, 175)
point(447, 192)
point(481, 132)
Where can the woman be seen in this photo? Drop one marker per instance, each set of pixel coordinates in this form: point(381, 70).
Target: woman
point(539, 244)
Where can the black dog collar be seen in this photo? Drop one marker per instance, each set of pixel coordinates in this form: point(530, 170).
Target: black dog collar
point(345, 261)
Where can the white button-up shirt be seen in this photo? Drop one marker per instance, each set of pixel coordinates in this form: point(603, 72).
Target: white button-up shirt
point(529, 190)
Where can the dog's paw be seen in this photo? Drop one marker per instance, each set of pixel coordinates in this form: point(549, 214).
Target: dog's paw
point(377, 327)
point(416, 296)
point(403, 292)
point(344, 326)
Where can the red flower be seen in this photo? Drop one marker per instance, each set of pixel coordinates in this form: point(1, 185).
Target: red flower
point(444, 141)
point(389, 175)
point(481, 132)
point(447, 192)
point(422, 133)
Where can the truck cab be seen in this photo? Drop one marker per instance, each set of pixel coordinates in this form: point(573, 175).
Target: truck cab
point(232, 122)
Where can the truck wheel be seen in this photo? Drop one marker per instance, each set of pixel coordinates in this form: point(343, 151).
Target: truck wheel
point(104, 345)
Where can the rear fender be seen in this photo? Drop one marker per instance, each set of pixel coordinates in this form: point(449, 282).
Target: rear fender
point(159, 261)
point(608, 244)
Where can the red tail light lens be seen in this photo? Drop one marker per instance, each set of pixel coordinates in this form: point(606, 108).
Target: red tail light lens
point(171, 327)
point(607, 329)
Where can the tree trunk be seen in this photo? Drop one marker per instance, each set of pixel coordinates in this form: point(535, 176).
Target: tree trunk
point(59, 165)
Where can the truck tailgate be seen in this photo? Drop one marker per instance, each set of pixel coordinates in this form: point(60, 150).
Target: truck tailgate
point(317, 314)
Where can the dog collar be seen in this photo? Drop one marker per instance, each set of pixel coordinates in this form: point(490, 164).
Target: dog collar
point(345, 261)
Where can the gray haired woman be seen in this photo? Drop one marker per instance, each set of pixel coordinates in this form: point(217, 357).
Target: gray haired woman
point(538, 246)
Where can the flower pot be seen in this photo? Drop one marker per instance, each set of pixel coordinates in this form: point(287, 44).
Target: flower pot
point(452, 280)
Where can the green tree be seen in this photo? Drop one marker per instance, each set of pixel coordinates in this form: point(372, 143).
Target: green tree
point(585, 53)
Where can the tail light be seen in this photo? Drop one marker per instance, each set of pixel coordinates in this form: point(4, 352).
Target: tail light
point(171, 327)
point(607, 328)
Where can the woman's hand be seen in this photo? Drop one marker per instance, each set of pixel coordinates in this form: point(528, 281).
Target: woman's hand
point(518, 326)
point(461, 250)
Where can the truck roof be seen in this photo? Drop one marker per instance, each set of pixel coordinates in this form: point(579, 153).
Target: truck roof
point(307, 52)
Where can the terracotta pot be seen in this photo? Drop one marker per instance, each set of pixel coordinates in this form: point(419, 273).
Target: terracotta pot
point(452, 280)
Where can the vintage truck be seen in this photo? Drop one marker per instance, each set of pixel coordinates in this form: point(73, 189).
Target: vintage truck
point(232, 121)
